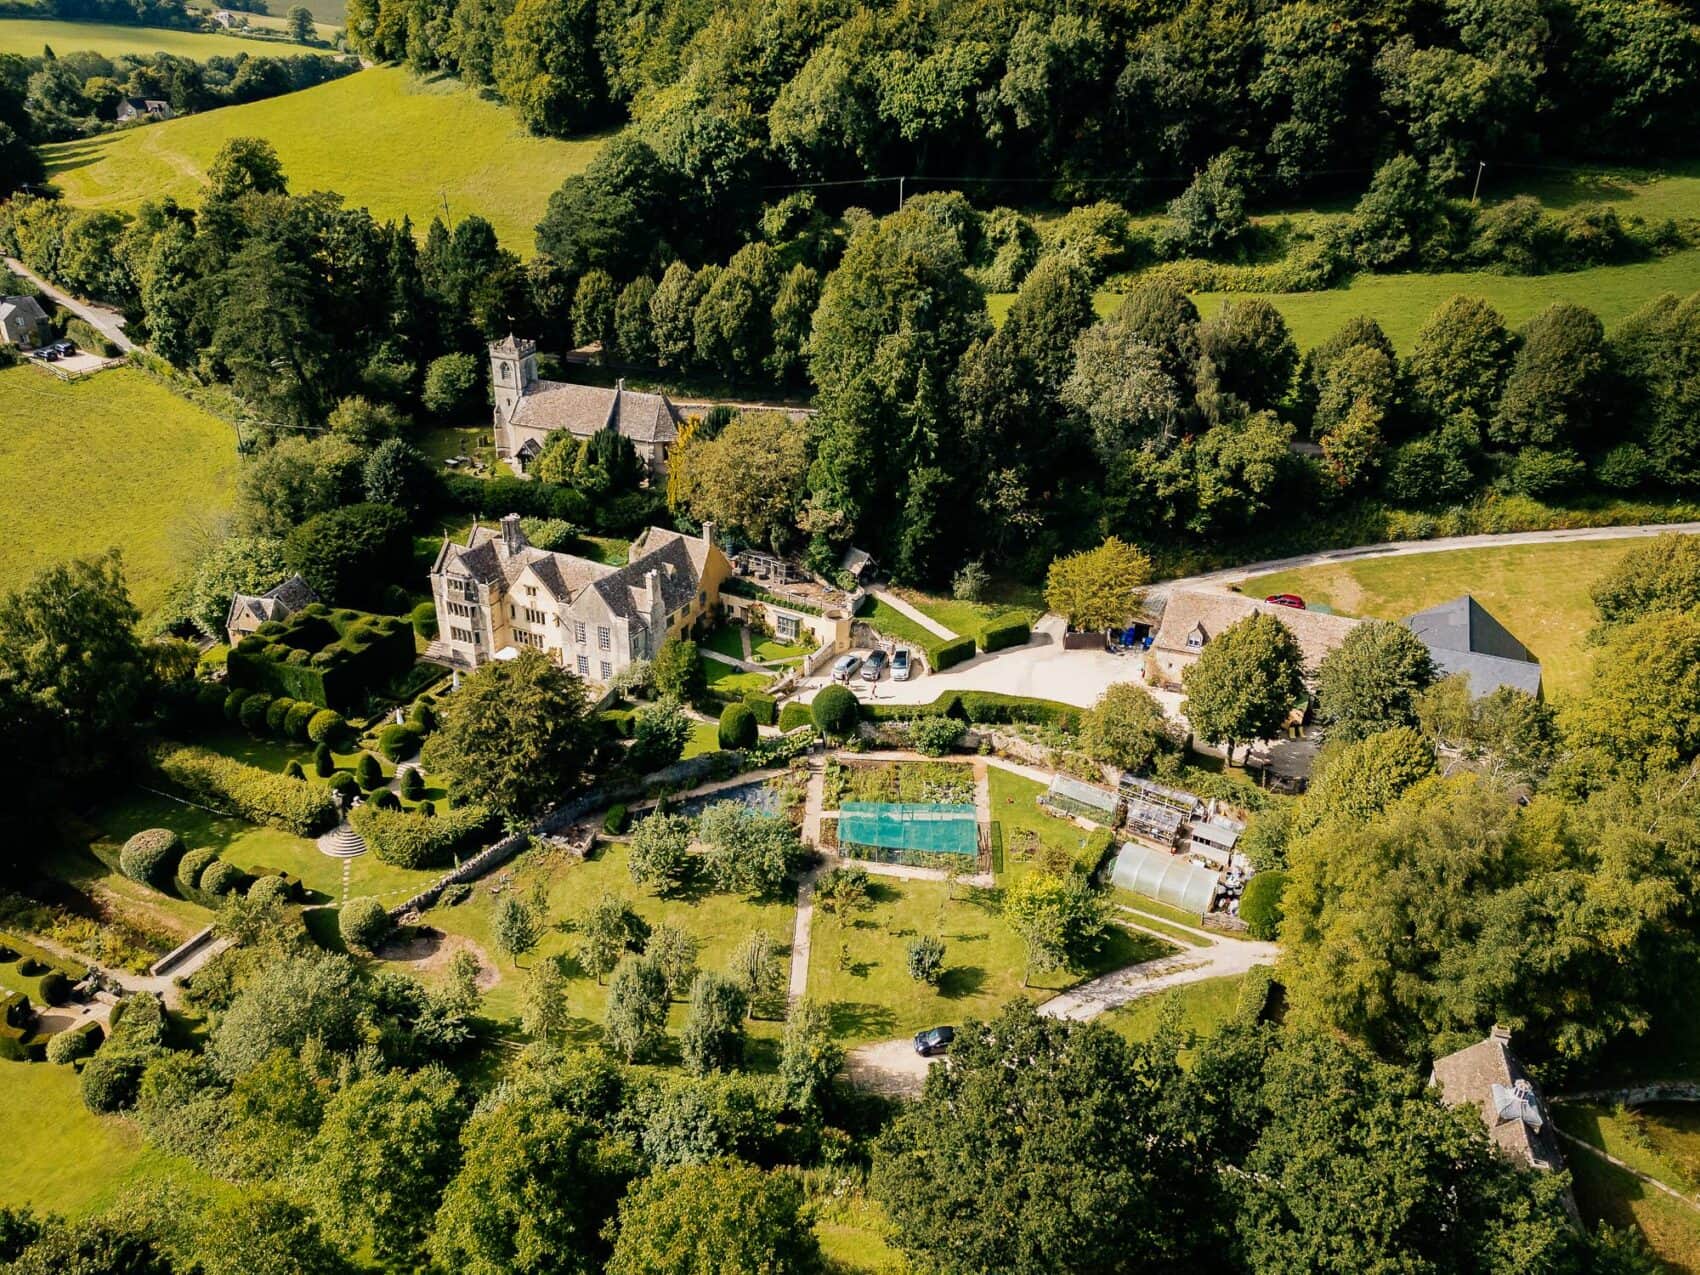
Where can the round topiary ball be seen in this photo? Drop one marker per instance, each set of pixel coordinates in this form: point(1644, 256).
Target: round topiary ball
point(384, 799)
point(277, 713)
point(368, 773)
point(835, 710)
point(221, 878)
point(151, 856)
point(190, 868)
point(327, 727)
point(412, 783)
point(71, 1046)
point(209, 699)
point(269, 889)
point(363, 924)
point(398, 742)
point(233, 704)
point(300, 717)
point(110, 1080)
point(253, 712)
point(294, 771)
point(737, 726)
point(343, 785)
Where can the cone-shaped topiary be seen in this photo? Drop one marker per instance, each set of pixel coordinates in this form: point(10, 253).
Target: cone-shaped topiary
point(367, 773)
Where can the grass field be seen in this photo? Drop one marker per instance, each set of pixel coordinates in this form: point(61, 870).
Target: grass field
point(1539, 592)
point(1662, 1142)
point(117, 459)
point(968, 619)
point(1202, 1007)
point(381, 138)
point(57, 1156)
point(27, 36)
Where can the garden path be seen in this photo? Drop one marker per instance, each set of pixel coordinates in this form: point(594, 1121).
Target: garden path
point(1222, 958)
point(815, 794)
point(912, 612)
point(743, 666)
point(163, 985)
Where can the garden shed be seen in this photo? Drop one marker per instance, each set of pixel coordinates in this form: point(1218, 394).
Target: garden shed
point(1165, 877)
point(1068, 796)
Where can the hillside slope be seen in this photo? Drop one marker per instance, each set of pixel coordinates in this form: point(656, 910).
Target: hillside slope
point(383, 139)
point(27, 36)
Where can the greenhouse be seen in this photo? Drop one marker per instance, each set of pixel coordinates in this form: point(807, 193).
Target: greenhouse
point(905, 832)
point(1167, 878)
point(1068, 796)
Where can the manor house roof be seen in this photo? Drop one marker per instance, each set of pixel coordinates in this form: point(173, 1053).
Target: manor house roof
point(1194, 617)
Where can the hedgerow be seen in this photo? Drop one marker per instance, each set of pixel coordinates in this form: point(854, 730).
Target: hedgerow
point(415, 841)
point(257, 795)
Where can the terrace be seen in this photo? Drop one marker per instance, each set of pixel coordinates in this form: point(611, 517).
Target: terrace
point(764, 577)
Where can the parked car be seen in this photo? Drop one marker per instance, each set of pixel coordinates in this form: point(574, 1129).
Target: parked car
point(900, 664)
point(874, 666)
point(934, 1041)
point(64, 348)
point(47, 354)
point(845, 667)
point(1287, 600)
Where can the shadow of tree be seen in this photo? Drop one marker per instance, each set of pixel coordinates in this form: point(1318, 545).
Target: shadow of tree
point(961, 980)
point(861, 1018)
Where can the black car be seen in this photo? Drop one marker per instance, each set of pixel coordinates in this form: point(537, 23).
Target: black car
point(935, 1040)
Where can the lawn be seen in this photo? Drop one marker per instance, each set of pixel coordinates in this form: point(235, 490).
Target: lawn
point(728, 680)
point(895, 625)
point(968, 619)
point(611, 551)
point(87, 465)
point(1539, 592)
point(720, 923)
point(727, 639)
point(385, 140)
point(1203, 1008)
point(858, 964)
point(1608, 1194)
point(55, 1155)
point(26, 37)
point(705, 738)
point(1014, 800)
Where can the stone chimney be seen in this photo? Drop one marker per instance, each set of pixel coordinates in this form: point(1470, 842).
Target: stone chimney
point(512, 536)
point(1500, 1033)
point(708, 534)
point(620, 385)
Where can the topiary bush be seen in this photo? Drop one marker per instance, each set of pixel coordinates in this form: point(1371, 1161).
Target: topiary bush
point(834, 711)
point(342, 785)
point(794, 715)
point(616, 820)
point(300, 717)
point(252, 715)
point(413, 783)
point(368, 773)
point(1260, 904)
point(189, 868)
point(411, 840)
point(151, 856)
point(111, 1078)
point(422, 717)
point(221, 878)
point(294, 771)
point(1005, 633)
point(277, 715)
point(269, 889)
point(384, 799)
point(398, 742)
point(424, 617)
point(738, 726)
point(233, 705)
point(426, 808)
point(74, 1045)
point(363, 924)
point(765, 707)
point(943, 655)
point(327, 726)
point(324, 765)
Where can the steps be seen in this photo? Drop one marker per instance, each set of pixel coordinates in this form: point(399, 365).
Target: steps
point(342, 842)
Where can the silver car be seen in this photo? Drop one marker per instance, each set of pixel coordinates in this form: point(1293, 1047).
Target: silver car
point(874, 666)
point(900, 664)
point(844, 668)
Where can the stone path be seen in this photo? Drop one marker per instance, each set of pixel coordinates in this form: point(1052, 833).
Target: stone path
point(803, 924)
point(1222, 958)
point(1583, 1145)
point(164, 985)
point(743, 666)
point(912, 612)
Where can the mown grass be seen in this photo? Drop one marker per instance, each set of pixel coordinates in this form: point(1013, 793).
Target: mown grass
point(1607, 1194)
point(968, 619)
point(893, 624)
point(114, 460)
point(27, 36)
point(1539, 592)
point(384, 140)
point(1015, 806)
point(57, 1156)
point(1201, 1008)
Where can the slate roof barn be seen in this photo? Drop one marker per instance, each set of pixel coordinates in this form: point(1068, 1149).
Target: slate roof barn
point(1488, 1076)
point(22, 320)
point(1462, 637)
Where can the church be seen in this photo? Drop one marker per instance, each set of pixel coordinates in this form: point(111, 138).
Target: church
point(528, 410)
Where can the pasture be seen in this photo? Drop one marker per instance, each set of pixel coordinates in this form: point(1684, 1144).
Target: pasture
point(1539, 592)
point(27, 36)
point(384, 140)
point(117, 459)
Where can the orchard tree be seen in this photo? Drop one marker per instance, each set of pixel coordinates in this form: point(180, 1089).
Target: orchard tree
point(517, 735)
point(544, 1014)
point(1061, 920)
point(660, 851)
point(660, 732)
point(607, 932)
point(636, 1020)
point(1125, 728)
point(674, 951)
point(809, 1057)
point(515, 926)
point(704, 1219)
point(1098, 589)
point(1245, 682)
point(1371, 682)
point(713, 1038)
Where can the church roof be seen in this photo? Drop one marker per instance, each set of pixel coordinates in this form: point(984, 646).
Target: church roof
point(585, 409)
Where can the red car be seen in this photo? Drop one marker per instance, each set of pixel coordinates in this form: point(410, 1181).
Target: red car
point(1287, 600)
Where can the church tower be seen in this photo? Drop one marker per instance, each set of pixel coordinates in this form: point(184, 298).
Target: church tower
point(513, 370)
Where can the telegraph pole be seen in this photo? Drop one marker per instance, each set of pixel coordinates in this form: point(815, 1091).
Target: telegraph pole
point(1481, 167)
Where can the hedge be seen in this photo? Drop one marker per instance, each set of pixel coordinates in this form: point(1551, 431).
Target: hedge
point(1260, 904)
point(398, 742)
point(189, 869)
point(738, 727)
point(1090, 857)
point(73, 1045)
point(765, 707)
point(616, 820)
point(326, 726)
point(233, 704)
point(618, 723)
point(1005, 633)
point(415, 841)
point(1255, 991)
point(257, 795)
point(150, 857)
point(330, 658)
point(794, 715)
point(221, 878)
point(942, 655)
point(422, 717)
point(111, 1078)
point(37, 980)
point(982, 708)
point(267, 887)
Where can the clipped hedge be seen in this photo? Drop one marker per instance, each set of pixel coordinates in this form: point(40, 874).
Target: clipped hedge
point(943, 655)
point(73, 1045)
point(398, 742)
point(1255, 992)
point(111, 1079)
point(150, 857)
point(417, 841)
point(257, 795)
point(1260, 904)
point(221, 878)
point(330, 658)
point(189, 869)
point(616, 820)
point(277, 716)
point(765, 707)
point(982, 708)
point(793, 715)
point(1090, 857)
point(738, 727)
point(1005, 633)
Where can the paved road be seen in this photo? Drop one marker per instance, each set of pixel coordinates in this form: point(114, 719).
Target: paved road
point(1403, 548)
point(109, 323)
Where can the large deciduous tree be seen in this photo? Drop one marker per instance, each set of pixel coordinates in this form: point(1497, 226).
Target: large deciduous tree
point(1124, 728)
point(752, 476)
point(1245, 682)
point(547, 68)
point(1098, 589)
point(1372, 680)
point(703, 1219)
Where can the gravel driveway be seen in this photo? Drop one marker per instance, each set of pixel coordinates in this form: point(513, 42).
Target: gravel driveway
point(889, 1067)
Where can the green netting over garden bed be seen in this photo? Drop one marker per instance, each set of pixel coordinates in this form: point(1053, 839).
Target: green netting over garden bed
point(927, 828)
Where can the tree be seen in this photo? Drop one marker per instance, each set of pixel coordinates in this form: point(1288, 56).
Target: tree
point(636, 1019)
point(732, 323)
point(747, 852)
point(516, 736)
point(294, 479)
point(453, 385)
point(1060, 920)
point(678, 670)
point(809, 1057)
point(347, 555)
point(834, 711)
point(1248, 357)
point(381, 1158)
point(1555, 390)
point(660, 852)
point(616, 215)
point(1245, 682)
point(924, 956)
point(752, 966)
point(1029, 1100)
point(245, 166)
point(91, 1246)
point(607, 931)
point(514, 926)
point(1209, 217)
point(260, 1232)
point(1356, 779)
point(1660, 575)
point(737, 727)
point(751, 477)
point(1459, 364)
point(301, 28)
point(537, 1183)
point(674, 952)
point(1119, 383)
point(701, 1219)
point(544, 1014)
point(634, 333)
point(843, 890)
point(1371, 682)
point(791, 317)
point(235, 564)
point(713, 1039)
point(1641, 714)
point(1098, 588)
point(660, 732)
point(672, 314)
point(1125, 728)
point(593, 311)
point(397, 474)
point(547, 69)
point(1397, 216)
